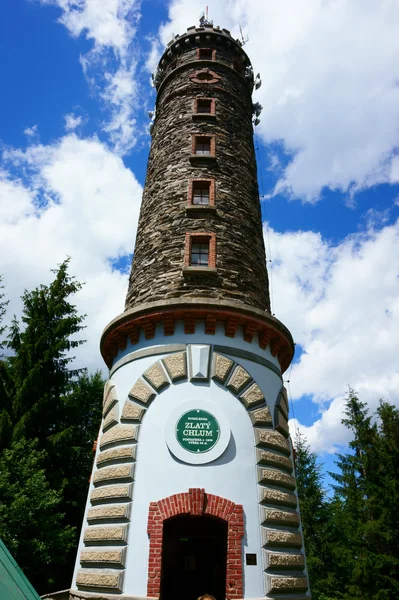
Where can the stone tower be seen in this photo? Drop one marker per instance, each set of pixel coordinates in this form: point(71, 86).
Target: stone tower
point(193, 487)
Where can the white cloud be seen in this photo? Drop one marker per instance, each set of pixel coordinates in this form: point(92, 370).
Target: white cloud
point(395, 170)
point(330, 87)
point(110, 66)
point(72, 122)
point(342, 305)
point(108, 23)
point(78, 200)
point(31, 131)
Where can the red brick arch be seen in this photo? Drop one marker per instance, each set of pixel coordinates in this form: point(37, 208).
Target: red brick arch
point(196, 502)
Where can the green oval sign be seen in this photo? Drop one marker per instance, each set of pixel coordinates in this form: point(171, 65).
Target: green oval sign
point(197, 431)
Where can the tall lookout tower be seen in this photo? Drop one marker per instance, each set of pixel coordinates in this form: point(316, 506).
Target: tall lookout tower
point(193, 487)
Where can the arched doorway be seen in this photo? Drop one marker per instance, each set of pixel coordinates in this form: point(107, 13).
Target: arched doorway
point(194, 557)
point(197, 503)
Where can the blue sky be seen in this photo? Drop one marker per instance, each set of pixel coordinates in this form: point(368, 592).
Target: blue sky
point(74, 142)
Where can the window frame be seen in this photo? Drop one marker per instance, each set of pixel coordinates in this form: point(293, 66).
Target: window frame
point(195, 138)
point(211, 51)
point(212, 102)
point(204, 116)
point(200, 238)
point(196, 182)
point(212, 77)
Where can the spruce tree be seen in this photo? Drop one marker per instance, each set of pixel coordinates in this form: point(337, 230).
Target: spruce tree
point(316, 522)
point(368, 491)
point(41, 355)
point(6, 384)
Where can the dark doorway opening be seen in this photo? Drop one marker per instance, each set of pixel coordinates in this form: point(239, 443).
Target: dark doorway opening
point(194, 557)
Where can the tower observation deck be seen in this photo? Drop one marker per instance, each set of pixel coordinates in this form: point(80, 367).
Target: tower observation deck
point(193, 487)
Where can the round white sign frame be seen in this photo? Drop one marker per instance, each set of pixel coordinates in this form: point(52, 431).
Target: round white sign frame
point(200, 458)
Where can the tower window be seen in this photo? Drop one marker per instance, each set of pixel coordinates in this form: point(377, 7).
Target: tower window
point(204, 109)
point(206, 54)
point(199, 253)
point(203, 145)
point(201, 192)
point(200, 250)
point(204, 106)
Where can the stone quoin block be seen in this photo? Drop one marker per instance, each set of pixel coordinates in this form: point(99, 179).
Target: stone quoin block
point(272, 439)
point(119, 433)
point(132, 412)
point(238, 380)
point(111, 493)
point(110, 474)
point(252, 396)
point(112, 418)
point(276, 460)
point(281, 585)
point(261, 416)
point(115, 512)
point(176, 366)
point(279, 516)
point(116, 454)
point(105, 534)
point(103, 557)
point(281, 537)
point(283, 403)
point(221, 367)
point(99, 579)
point(285, 560)
point(110, 396)
point(142, 392)
point(156, 376)
point(282, 424)
point(271, 496)
point(275, 477)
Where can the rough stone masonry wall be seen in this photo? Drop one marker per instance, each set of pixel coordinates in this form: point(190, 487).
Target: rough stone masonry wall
point(157, 271)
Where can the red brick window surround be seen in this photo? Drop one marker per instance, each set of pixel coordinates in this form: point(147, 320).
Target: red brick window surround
point(206, 54)
point(196, 502)
point(200, 250)
point(203, 145)
point(204, 76)
point(201, 192)
point(205, 106)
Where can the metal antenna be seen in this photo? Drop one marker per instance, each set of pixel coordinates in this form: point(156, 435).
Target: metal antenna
point(204, 20)
point(244, 40)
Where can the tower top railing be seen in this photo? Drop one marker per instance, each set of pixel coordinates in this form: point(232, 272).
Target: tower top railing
point(206, 35)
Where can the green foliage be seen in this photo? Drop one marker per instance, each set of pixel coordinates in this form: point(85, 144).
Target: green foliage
point(31, 521)
point(351, 539)
point(316, 522)
point(72, 444)
point(367, 502)
point(49, 419)
point(6, 385)
point(41, 355)
point(3, 309)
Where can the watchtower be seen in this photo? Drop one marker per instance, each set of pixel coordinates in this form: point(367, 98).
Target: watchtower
point(193, 487)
